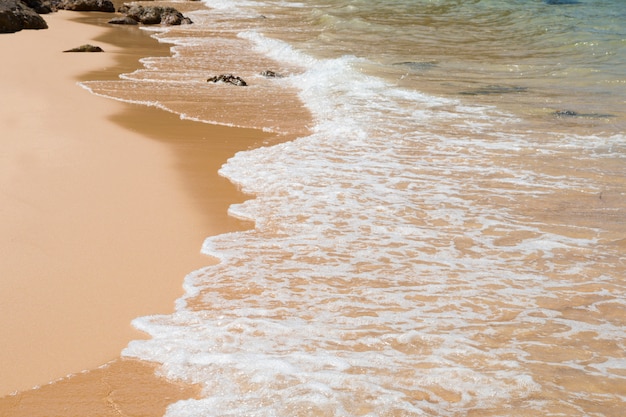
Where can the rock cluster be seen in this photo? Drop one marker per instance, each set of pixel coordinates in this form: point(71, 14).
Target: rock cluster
point(151, 15)
point(16, 15)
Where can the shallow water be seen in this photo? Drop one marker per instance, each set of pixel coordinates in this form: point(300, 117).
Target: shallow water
point(444, 236)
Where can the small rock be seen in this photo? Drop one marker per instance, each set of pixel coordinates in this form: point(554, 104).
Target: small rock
point(228, 79)
point(271, 74)
point(85, 48)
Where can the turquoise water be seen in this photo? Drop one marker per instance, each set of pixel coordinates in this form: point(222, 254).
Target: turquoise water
point(443, 233)
point(532, 54)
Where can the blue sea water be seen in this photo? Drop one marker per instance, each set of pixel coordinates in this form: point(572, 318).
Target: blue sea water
point(442, 229)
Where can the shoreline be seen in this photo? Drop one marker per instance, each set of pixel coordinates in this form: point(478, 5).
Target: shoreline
point(121, 387)
point(104, 210)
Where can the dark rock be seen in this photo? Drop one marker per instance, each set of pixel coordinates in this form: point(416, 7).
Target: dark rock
point(85, 48)
point(271, 74)
point(87, 5)
point(146, 15)
point(228, 79)
point(40, 6)
point(125, 20)
point(15, 16)
point(154, 15)
point(175, 18)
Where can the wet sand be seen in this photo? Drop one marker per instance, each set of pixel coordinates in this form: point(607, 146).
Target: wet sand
point(104, 207)
point(121, 388)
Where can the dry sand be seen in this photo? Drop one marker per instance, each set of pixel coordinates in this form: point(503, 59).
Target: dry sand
point(99, 224)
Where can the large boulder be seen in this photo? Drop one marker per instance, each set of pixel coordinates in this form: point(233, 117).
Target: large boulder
point(15, 16)
point(40, 6)
point(87, 5)
point(154, 15)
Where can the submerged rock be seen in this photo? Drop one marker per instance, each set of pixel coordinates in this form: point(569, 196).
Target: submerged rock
point(228, 79)
point(15, 16)
point(566, 113)
point(417, 65)
point(572, 113)
point(85, 48)
point(494, 89)
point(557, 2)
point(154, 15)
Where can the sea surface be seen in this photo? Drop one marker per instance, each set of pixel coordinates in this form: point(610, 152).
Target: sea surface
point(439, 225)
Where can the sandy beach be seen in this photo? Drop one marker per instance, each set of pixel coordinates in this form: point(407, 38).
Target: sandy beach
point(104, 207)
